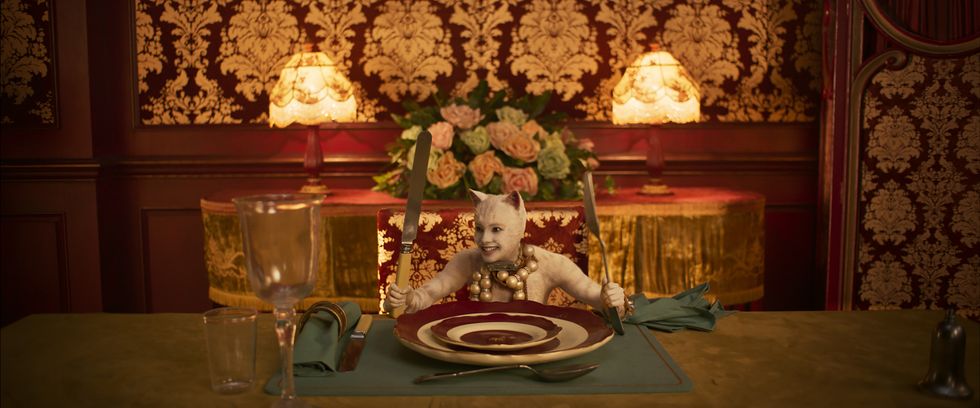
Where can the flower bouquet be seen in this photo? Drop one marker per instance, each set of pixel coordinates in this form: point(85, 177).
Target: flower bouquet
point(492, 143)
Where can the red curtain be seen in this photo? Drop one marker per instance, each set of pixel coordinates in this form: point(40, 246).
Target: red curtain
point(942, 21)
point(938, 20)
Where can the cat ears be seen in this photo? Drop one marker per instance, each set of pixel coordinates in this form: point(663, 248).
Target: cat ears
point(477, 197)
point(514, 198)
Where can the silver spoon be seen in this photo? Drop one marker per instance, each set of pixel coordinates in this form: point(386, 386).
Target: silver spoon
point(555, 374)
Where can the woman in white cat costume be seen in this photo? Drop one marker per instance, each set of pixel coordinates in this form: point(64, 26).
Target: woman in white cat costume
point(533, 273)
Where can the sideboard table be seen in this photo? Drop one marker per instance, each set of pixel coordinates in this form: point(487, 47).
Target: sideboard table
point(659, 245)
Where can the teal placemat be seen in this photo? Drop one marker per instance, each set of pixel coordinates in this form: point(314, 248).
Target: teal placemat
point(632, 363)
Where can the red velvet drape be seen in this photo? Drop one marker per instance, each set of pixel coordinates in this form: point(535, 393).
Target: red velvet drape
point(940, 21)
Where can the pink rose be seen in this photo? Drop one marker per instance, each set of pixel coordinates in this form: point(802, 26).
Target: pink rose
point(446, 172)
point(522, 147)
point(532, 128)
point(500, 132)
point(522, 179)
point(591, 163)
point(586, 144)
point(484, 166)
point(442, 135)
point(461, 116)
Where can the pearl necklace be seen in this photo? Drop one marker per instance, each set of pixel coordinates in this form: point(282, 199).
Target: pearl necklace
point(504, 273)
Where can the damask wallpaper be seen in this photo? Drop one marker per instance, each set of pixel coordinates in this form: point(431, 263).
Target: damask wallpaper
point(27, 70)
point(919, 234)
point(215, 61)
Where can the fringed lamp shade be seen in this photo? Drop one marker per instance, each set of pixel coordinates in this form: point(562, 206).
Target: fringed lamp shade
point(310, 91)
point(656, 89)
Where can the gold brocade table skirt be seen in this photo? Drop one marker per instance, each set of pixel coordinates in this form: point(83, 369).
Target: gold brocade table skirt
point(657, 245)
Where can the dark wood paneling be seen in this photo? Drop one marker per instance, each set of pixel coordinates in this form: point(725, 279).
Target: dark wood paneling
point(35, 266)
point(173, 260)
point(157, 264)
point(50, 234)
point(73, 138)
point(47, 172)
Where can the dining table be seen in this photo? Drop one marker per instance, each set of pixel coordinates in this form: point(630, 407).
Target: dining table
point(757, 359)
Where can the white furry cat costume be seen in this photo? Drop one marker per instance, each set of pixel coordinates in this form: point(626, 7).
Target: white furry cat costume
point(500, 222)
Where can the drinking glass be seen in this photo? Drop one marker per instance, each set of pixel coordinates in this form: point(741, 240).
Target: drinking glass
point(280, 238)
point(230, 336)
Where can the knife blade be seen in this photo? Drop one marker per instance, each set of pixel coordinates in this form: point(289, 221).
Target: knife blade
point(592, 221)
point(410, 227)
point(352, 354)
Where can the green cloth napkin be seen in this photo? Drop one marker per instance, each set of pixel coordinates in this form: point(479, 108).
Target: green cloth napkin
point(686, 310)
point(318, 348)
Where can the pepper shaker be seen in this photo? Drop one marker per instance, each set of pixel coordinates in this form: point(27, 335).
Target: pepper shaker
point(946, 376)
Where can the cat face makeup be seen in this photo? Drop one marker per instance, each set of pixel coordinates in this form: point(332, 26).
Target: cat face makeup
point(500, 222)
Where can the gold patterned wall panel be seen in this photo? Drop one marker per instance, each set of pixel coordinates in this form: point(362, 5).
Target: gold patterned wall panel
point(214, 61)
point(554, 47)
point(28, 86)
point(919, 214)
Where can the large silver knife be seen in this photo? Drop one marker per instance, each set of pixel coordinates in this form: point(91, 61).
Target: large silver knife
point(592, 221)
point(410, 228)
point(352, 353)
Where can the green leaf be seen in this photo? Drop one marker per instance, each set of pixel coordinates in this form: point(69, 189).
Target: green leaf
point(402, 121)
point(468, 180)
point(522, 103)
point(400, 190)
point(546, 191)
point(497, 102)
point(411, 105)
point(610, 184)
point(568, 189)
point(424, 118)
point(479, 93)
point(552, 120)
point(440, 98)
point(538, 103)
point(459, 189)
point(495, 186)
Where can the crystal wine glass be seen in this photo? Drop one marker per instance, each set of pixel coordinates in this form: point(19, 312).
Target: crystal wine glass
point(280, 238)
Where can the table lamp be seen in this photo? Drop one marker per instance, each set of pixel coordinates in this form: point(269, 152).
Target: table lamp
point(311, 90)
point(655, 89)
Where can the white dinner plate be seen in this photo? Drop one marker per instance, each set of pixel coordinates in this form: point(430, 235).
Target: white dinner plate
point(581, 332)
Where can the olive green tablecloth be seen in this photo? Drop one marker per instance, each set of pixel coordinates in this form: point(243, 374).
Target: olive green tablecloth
point(759, 359)
point(632, 363)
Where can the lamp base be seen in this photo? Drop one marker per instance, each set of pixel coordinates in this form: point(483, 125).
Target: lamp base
point(315, 186)
point(655, 187)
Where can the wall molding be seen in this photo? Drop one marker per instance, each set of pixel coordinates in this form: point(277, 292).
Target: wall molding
point(58, 221)
point(43, 169)
point(146, 274)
